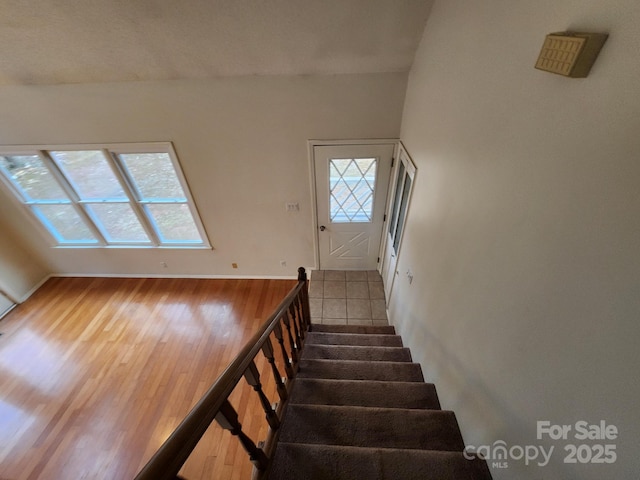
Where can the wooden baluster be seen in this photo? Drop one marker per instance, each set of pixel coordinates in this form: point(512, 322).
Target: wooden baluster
point(304, 294)
point(301, 324)
point(277, 331)
point(292, 343)
point(300, 307)
point(252, 376)
point(227, 417)
point(296, 329)
point(267, 350)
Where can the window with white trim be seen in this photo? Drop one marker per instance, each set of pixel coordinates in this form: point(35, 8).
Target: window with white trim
point(114, 195)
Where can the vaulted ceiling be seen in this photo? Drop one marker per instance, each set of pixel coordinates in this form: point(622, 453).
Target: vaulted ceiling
point(71, 41)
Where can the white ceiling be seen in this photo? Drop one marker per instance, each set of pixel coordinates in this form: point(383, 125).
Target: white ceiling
point(79, 41)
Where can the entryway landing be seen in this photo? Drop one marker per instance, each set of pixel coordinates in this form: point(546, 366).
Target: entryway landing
point(339, 297)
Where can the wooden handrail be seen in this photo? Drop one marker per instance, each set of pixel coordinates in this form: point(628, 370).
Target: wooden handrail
point(174, 452)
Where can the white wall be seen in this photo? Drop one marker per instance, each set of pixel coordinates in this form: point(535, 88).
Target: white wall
point(524, 229)
point(20, 270)
point(242, 143)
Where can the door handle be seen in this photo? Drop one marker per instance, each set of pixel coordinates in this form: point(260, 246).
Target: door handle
point(322, 228)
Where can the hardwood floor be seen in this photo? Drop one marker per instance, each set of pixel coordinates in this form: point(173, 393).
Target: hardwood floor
point(96, 373)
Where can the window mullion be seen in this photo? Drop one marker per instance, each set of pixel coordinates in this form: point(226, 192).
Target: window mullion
point(122, 176)
point(73, 195)
point(191, 204)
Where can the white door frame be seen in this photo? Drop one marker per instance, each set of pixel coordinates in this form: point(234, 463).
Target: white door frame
point(312, 178)
point(410, 170)
point(387, 205)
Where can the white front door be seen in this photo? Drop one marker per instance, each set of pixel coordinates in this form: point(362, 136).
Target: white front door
point(351, 191)
point(404, 175)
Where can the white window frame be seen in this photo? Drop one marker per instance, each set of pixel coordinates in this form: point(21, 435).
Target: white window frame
point(111, 152)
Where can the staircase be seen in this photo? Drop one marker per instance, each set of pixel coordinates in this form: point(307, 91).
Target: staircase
point(359, 409)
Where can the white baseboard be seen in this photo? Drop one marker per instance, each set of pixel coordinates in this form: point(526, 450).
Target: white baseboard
point(34, 289)
point(6, 312)
point(146, 275)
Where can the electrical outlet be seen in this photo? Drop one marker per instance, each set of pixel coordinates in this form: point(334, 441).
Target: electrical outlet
point(293, 207)
point(283, 263)
point(164, 265)
point(234, 265)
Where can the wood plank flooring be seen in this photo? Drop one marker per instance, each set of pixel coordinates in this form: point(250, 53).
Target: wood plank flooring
point(96, 373)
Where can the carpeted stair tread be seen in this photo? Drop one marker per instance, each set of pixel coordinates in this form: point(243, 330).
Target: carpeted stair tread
point(358, 408)
point(364, 329)
point(328, 462)
point(364, 393)
point(361, 339)
point(360, 370)
point(371, 427)
point(346, 352)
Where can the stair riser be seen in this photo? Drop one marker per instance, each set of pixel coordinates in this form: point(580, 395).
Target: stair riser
point(341, 352)
point(361, 329)
point(365, 394)
point(356, 370)
point(372, 340)
point(372, 427)
point(322, 462)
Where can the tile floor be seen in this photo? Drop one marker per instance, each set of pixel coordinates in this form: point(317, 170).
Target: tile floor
point(347, 298)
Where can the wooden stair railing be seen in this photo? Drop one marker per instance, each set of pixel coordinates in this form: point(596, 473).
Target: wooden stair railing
point(293, 311)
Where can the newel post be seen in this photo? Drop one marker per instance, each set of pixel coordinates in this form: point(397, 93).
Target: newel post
point(304, 294)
